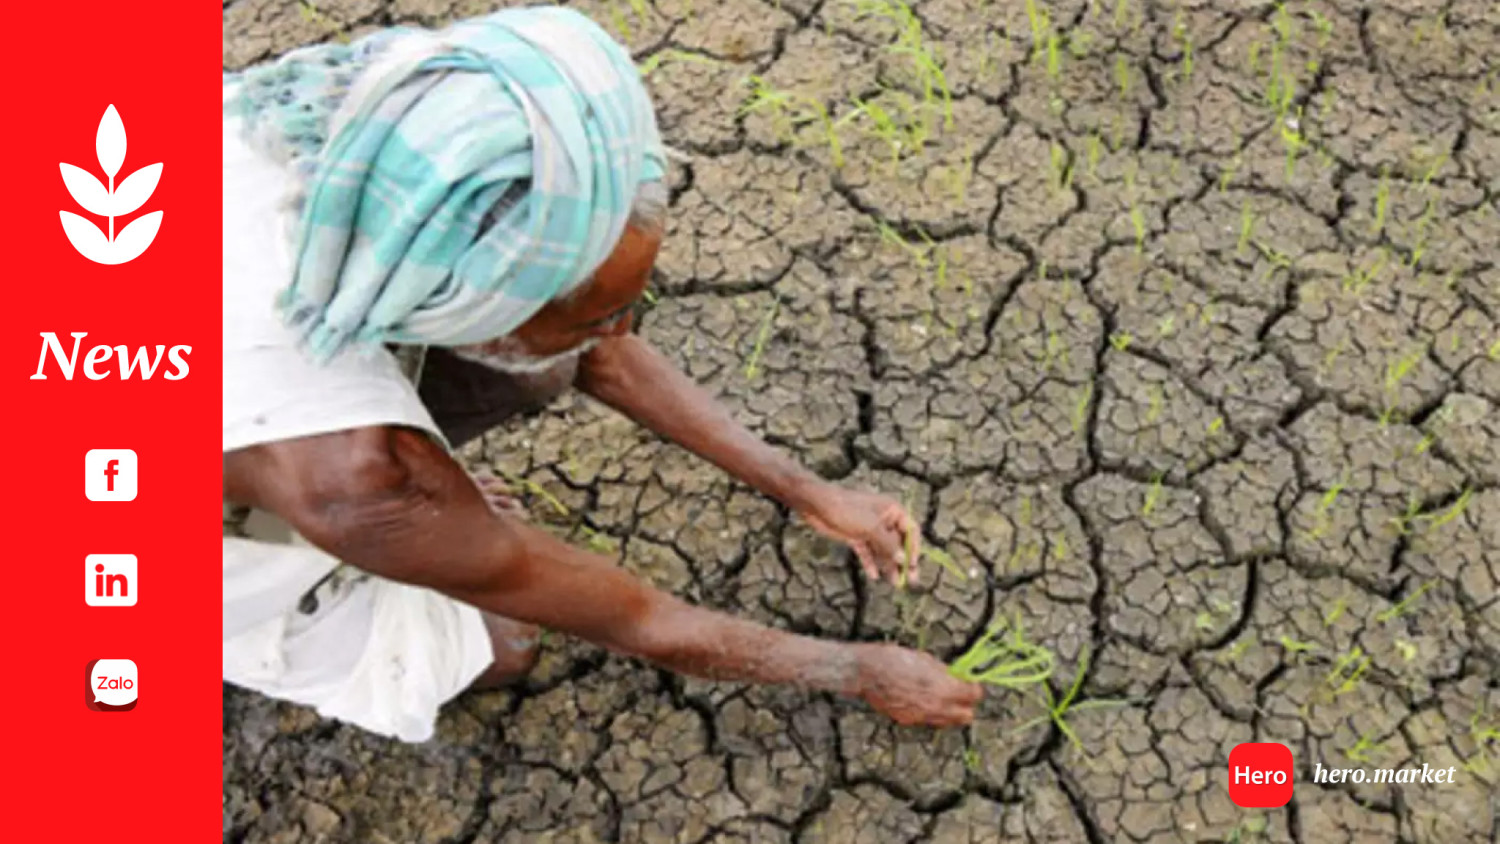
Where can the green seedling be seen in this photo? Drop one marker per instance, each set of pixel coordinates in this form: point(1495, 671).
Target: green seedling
point(1494, 353)
point(1216, 426)
point(1347, 672)
point(1167, 326)
point(1138, 222)
point(944, 559)
point(1247, 227)
point(1362, 748)
point(1279, 260)
point(1404, 521)
point(1337, 612)
point(1419, 245)
point(1382, 201)
point(657, 59)
point(1294, 141)
point(752, 366)
point(1008, 662)
point(1454, 511)
point(1041, 25)
point(1153, 495)
point(1401, 608)
point(1408, 649)
point(1058, 708)
point(1361, 277)
point(1324, 26)
point(1228, 173)
point(1250, 829)
point(1121, 340)
point(1081, 408)
point(1062, 169)
point(1325, 507)
point(1293, 646)
point(1095, 149)
point(312, 14)
point(1252, 58)
point(1122, 76)
point(1234, 652)
point(1153, 412)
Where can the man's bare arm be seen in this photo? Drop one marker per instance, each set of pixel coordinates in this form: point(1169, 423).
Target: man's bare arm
point(627, 374)
point(391, 502)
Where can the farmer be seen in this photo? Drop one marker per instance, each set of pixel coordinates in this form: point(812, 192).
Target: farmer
point(486, 201)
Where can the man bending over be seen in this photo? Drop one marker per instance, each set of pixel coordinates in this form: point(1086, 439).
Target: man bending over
point(492, 194)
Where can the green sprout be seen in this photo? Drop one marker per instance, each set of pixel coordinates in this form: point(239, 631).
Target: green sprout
point(1247, 227)
point(1360, 752)
point(1337, 612)
point(1121, 340)
point(1153, 495)
point(752, 366)
point(1217, 425)
point(1325, 507)
point(1454, 511)
point(1058, 708)
point(1009, 662)
point(657, 59)
point(1401, 608)
point(1122, 76)
point(1138, 222)
point(1382, 201)
point(1347, 672)
point(1081, 407)
point(1293, 646)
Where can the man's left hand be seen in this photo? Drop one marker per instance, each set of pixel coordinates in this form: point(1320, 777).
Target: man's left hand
point(883, 535)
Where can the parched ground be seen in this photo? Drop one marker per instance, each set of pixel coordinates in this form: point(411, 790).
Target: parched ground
point(1179, 329)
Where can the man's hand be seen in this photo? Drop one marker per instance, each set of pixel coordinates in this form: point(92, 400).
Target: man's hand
point(913, 688)
point(881, 532)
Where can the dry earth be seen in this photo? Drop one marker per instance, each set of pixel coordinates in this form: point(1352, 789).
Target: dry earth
point(1183, 405)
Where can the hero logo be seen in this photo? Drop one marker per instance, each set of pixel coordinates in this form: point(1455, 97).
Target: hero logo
point(141, 361)
point(110, 201)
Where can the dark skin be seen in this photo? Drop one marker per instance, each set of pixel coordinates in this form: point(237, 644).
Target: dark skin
point(392, 502)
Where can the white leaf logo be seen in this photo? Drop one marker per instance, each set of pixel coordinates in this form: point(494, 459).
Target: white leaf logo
point(111, 202)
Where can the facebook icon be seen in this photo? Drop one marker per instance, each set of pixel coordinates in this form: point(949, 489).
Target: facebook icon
point(109, 474)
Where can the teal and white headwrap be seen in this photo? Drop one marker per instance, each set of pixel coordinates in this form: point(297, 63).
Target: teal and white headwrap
point(451, 183)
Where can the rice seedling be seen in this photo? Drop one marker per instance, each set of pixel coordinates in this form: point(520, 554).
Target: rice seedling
point(1057, 708)
point(1138, 223)
point(1294, 647)
point(661, 57)
point(1249, 829)
point(1121, 340)
point(1324, 25)
point(752, 366)
point(1081, 407)
point(1153, 495)
point(1382, 201)
point(1362, 748)
point(1094, 150)
point(1216, 426)
point(1153, 412)
point(1405, 520)
point(1041, 26)
point(1361, 277)
point(1004, 661)
point(1228, 173)
point(1404, 605)
point(1333, 615)
point(1122, 76)
point(1346, 673)
point(1292, 138)
point(1324, 519)
point(1234, 652)
point(312, 14)
point(1408, 650)
point(1247, 227)
point(1456, 509)
point(1494, 353)
point(1062, 169)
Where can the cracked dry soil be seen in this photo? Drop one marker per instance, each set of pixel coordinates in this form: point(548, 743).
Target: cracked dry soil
point(1168, 382)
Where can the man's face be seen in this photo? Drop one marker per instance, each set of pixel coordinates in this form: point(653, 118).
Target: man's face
point(570, 328)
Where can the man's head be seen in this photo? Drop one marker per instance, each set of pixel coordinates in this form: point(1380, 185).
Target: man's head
point(601, 307)
point(406, 143)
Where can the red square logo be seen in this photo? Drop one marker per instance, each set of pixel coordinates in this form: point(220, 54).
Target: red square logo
point(1260, 775)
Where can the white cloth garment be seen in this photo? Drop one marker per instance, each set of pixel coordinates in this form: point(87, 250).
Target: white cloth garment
point(372, 652)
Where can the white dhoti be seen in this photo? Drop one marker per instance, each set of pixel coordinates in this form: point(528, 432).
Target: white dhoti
point(299, 625)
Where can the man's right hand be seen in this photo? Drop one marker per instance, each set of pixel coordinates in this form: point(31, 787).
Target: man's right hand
point(914, 688)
